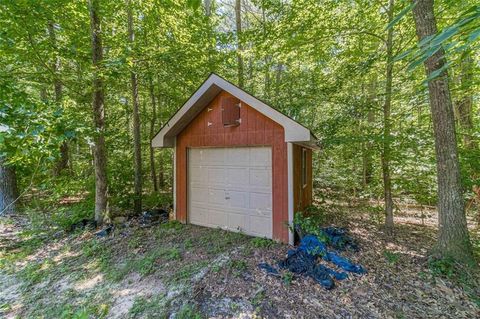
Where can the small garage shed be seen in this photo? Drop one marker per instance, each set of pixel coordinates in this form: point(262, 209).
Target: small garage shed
point(239, 164)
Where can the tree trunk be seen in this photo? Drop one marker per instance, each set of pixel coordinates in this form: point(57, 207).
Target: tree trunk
point(267, 58)
point(161, 174)
point(153, 172)
point(387, 182)
point(464, 105)
point(211, 37)
point(137, 150)
point(99, 153)
point(453, 238)
point(63, 161)
point(238, 22)
point(367, 165)
point(8, 188)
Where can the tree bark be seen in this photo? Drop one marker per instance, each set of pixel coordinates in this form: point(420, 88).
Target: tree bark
point(453, 237)
point(8, 188)
point(211, 36)
point(238, 22)
point(367, 166)
point(63, 162)
point(153, 172)
point(137, 150)
point(99, 152)
point(387, 182)
point(464, 105)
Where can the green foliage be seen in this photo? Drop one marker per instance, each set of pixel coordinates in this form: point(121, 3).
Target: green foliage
point(189, 311)
point(287, 278)
point(303, 57)
point(238, 265)
point(153, 307)
point(442, 267)
point(310, 221)
point(186, 272)
point(391, 257)
point(258, 242)
point(33, 273)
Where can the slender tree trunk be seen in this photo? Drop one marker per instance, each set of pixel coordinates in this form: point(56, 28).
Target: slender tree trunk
point(464, 105)
point(161, 174)
point(211, 37)
point(99, 152)
point(8, 188)
point(368, 145)
point(63, 161)
point(463, 111)
point(267, 58)
point(238, 22)
point(387, 126)
point(137, 202)
point(453, 238)
point(153, 172)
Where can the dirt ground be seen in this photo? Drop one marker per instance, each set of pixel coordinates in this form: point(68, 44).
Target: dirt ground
point(185, 271)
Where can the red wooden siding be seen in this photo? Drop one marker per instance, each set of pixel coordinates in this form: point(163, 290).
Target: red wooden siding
point(230, 111)
point(302, 196)
point(255, 129)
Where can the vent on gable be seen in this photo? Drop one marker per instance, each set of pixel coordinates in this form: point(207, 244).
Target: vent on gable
point(230, 111)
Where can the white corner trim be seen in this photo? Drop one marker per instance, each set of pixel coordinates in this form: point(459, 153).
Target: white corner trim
point(290, 192)
point(174, 184)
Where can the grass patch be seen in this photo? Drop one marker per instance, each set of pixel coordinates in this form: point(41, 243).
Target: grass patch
point(189, 311)
point(146, 264)
point(20, 251)
point(238, 266)
point(465, 276)
point(391, 256)
point(154, 307)
point(186, 272)
point(218, 241)
point(258, 242)
point(34, 273)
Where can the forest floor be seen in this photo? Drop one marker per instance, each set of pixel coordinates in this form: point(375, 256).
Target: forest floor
point(186, 271)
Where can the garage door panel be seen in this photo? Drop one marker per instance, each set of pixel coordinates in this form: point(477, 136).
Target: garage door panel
point(199, 195)
point(200, 217)
point(195, 157)
point(216, 176)
point(217, 218)
point(237, 221)
point(260, 225)
point(195, 174)
point(237, 176)
point(237, 156)
point(212, 156)
point(260, 177)
point(260, 202)
point(238, 199)
point(261, 157)
point(217, 197)
point(231, 188)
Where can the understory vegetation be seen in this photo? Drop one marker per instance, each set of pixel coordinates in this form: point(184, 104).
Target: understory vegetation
point(171, 268)
point(389, 88)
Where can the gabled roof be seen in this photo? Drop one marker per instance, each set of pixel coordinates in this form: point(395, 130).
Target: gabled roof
point(213, 85)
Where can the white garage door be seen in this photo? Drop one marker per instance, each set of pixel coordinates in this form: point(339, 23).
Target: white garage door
point(231, 188)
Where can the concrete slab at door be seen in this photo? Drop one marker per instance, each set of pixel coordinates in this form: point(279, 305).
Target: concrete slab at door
point(231, 188)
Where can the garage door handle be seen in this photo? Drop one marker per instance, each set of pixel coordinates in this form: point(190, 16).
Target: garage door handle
point(227, 197)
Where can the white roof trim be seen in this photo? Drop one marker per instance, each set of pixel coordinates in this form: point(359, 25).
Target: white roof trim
point(294, 132)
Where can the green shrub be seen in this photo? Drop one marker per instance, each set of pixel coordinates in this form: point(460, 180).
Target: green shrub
point(287, 278)
point(442, 267)
point(391, 257)
point(310, 221)
point(189, 311)
point(262, 242)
